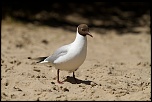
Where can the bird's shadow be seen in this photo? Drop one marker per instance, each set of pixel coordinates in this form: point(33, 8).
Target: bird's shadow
point(71, 80)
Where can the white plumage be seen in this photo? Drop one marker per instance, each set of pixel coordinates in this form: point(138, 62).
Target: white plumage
point(70, 57)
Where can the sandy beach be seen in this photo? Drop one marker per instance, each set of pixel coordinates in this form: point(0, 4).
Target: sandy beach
point(117, 67)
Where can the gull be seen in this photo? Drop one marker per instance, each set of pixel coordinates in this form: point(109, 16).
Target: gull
point(71, 56)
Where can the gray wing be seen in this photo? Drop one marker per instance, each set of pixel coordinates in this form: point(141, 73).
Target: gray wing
point(59, 52)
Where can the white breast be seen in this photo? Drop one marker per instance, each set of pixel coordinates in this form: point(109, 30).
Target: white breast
point(75, 56)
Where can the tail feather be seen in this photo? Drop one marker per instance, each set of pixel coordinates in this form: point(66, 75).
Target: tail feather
point(39, 59)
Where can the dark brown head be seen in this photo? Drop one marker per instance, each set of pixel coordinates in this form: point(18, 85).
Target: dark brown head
point(83, 30)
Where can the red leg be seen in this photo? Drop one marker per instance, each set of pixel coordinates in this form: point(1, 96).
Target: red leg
point(58, 77)
point(74, 78)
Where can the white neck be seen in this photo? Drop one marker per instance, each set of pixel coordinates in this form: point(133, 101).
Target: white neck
point(80, 38)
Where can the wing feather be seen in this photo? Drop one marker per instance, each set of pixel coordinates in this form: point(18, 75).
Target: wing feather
point(58, 53)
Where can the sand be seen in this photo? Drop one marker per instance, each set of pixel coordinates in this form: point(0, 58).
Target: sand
point(117, 67)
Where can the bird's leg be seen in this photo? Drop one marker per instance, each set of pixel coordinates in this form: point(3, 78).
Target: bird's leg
point(58, 77)
point(74, 78)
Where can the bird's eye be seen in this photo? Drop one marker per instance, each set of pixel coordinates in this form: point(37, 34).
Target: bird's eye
point(83, 29)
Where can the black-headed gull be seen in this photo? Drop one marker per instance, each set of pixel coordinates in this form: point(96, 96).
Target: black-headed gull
point(70, 57)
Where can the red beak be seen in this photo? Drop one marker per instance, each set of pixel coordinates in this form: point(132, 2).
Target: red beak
point(89, 34)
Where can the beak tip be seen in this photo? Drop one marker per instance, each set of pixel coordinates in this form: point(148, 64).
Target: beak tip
point(90, 35)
